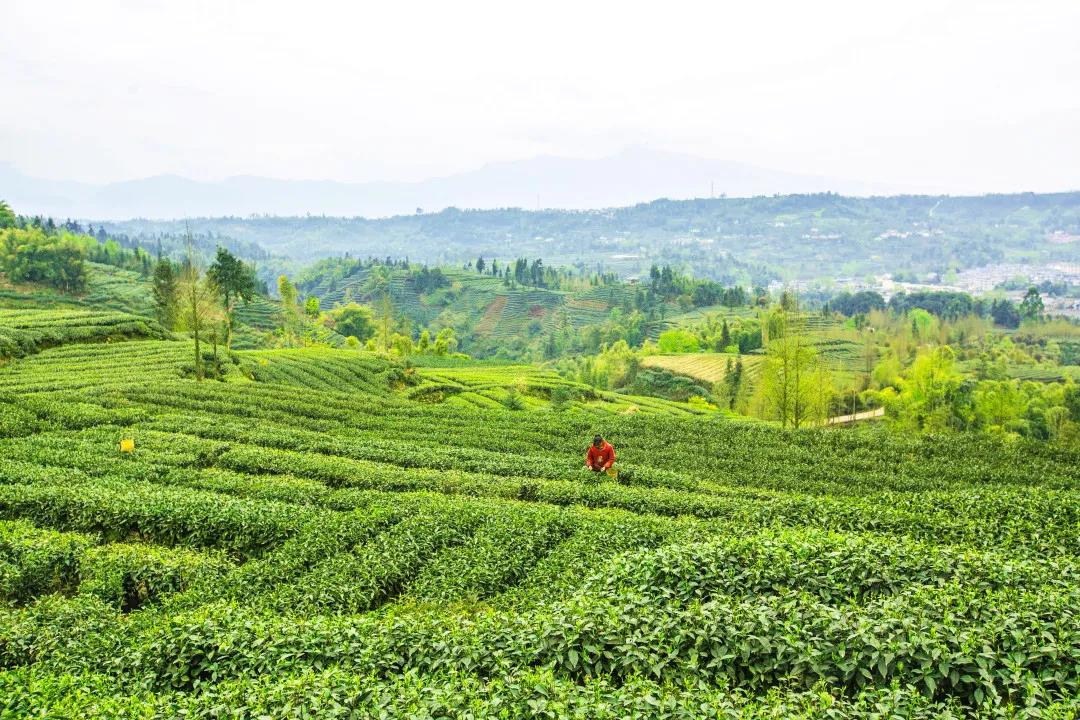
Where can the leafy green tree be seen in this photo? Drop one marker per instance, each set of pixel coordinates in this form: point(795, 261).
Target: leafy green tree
point(32, 255)
point(1005, 313)
point(311, 306)
point(929, 397)
point(287, 293)
point(796, 385)
point(923, 324)
point(354, 320)
point(165, 293)
point(401, 345)
point(999, 402)
point(198, 309)
point(445, 342)
point(1031, 307)
point(1072, 401)
point(233, 280)
point(7, 216)
point(678, 341)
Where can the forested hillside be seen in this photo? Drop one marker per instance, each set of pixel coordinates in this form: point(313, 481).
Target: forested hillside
point(745, 240)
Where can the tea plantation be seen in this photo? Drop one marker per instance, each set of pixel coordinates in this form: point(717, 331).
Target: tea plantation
point(325, 534)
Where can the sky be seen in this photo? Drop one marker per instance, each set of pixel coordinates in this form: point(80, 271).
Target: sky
point(952, 96)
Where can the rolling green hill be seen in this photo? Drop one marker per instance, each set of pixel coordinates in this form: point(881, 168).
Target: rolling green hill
point(319, 534)
point(329, 532)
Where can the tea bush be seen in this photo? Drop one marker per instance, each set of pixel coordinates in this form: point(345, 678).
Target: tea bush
point(314, 542)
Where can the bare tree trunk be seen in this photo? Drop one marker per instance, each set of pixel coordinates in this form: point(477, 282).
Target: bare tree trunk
point(798, 410)
point(228, 323)
point(198, 352)
point(785, 369)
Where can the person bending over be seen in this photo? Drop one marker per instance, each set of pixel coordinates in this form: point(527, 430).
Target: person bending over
point(601, 455)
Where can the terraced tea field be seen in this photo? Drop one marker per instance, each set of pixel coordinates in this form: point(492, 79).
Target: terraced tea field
point(488, 386)
point(494, 314)
point(25, 331)
point(313, 540)
point(107, 288)
point(709, 367)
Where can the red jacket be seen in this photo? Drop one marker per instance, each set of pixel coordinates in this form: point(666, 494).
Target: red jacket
point(604, 456)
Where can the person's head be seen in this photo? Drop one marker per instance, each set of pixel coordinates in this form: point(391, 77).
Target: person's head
point(597, 441)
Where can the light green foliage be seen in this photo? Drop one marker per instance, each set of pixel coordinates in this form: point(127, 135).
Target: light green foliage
point(445, 342)
point(796, 385)
point(928, 397)
point(32, 256)
point(999, 403)
point(287, 292)
point(354, 320)
point(677, 341)
point(401, 345)
point(311, 306)
point(923, 324)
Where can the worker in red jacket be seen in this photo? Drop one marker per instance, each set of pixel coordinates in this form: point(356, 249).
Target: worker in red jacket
point(601, 455)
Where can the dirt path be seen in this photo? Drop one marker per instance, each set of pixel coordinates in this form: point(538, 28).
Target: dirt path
point(867, 415)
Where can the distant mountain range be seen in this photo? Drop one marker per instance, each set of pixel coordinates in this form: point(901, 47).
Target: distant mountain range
point(634, 175)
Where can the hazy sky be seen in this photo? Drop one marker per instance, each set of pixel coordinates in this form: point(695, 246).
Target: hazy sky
point(962, 96)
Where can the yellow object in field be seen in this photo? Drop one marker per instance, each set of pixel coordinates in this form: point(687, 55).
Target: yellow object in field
point(127, 445)
point(612, 473)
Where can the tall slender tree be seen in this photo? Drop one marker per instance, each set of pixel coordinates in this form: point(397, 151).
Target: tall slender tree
point(198, 308)
point(289, 311)
point(795, 383)
point(164, 291)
